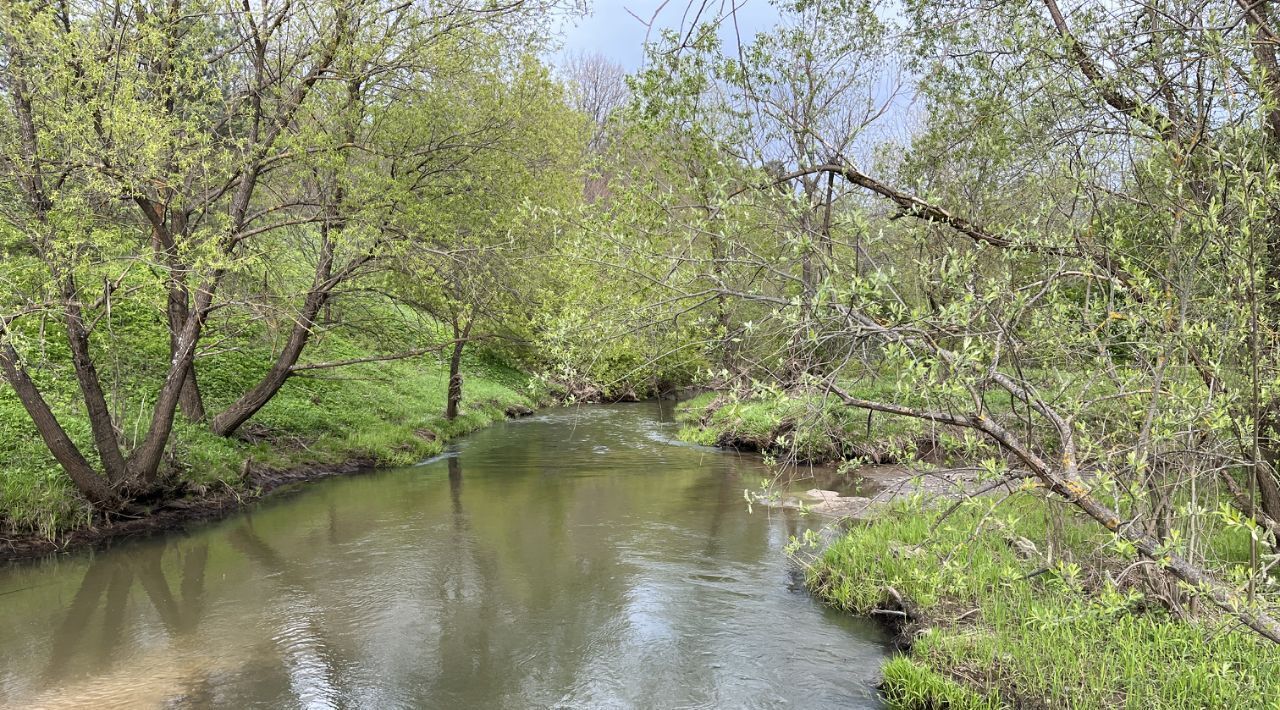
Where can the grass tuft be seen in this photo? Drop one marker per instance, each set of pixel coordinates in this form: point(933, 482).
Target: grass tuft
point(993, 625)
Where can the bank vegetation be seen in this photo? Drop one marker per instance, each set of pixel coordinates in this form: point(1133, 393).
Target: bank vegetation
point(1039, 239)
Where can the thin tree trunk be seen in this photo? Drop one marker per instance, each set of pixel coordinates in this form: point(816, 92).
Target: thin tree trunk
point(723, 320)
point(1258, 17)
point(234, 416)
point(455, 369)
point(715, 232)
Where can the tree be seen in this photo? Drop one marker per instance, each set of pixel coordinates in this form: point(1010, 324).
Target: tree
point(1078, 231)
point(167, 154)
point(474, 243)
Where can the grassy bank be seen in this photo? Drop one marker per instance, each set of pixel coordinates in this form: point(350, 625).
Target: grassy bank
point(816, 428)
point(1008, 600)
point(388, 413)
point(1004, 607)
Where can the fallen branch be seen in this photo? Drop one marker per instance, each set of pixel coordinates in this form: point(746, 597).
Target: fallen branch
point(1059, 482)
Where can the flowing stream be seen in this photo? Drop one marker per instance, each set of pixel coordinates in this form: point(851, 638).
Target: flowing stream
point(578, 558)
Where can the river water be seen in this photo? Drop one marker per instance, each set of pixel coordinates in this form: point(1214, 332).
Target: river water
point(578, 558)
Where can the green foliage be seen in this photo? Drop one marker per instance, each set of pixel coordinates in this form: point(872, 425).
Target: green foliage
point(813, 427)
point(372, 189)
point(386, 413)
point(1063, 636)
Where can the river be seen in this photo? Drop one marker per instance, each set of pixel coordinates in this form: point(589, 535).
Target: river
point(578, 558)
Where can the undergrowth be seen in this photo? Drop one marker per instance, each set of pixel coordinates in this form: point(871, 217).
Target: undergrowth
point(816, 427)
point(1005, 613)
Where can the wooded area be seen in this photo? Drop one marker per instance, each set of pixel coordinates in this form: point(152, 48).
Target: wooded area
point(1047, 235)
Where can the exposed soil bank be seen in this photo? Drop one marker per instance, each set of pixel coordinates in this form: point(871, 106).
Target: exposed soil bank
point(180, 512)
point(883, 485)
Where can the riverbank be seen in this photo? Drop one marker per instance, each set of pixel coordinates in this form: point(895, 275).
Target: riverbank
point(216, 503)
point(1000, 604)
point(1007, 599)
point(363, 416)
point(815, 428)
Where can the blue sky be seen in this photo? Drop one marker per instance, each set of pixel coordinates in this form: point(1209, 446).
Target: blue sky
point(612, 31)
point(619, 35)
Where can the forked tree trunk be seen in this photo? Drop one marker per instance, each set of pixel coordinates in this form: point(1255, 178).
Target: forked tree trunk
point(323, 283)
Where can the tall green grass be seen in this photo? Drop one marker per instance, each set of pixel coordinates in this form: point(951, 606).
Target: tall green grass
point(988, 635)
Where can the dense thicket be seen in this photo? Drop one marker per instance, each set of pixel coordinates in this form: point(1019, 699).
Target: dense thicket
point(1069, 266)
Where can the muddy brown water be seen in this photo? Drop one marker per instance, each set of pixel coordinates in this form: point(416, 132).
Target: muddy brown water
point(578, 558)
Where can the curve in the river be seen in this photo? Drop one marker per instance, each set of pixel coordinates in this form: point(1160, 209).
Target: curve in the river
point(577, 558)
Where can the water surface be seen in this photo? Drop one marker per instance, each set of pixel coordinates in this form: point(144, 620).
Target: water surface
point(578, 558)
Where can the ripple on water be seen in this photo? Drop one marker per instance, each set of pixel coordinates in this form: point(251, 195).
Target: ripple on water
point(570, 559)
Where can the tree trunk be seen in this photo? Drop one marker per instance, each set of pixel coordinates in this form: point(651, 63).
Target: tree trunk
point(455, 370)
point(234, 416)
point(455, 383)
point(719, 253)
point(1268, 488)
point(144, 462)
point(97, 489)
point(177, 307)
point(190, 401)
point(723, 321)
point(95, 401)
point(64, 450)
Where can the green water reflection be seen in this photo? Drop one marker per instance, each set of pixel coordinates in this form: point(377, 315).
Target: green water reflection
point(577, 558)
